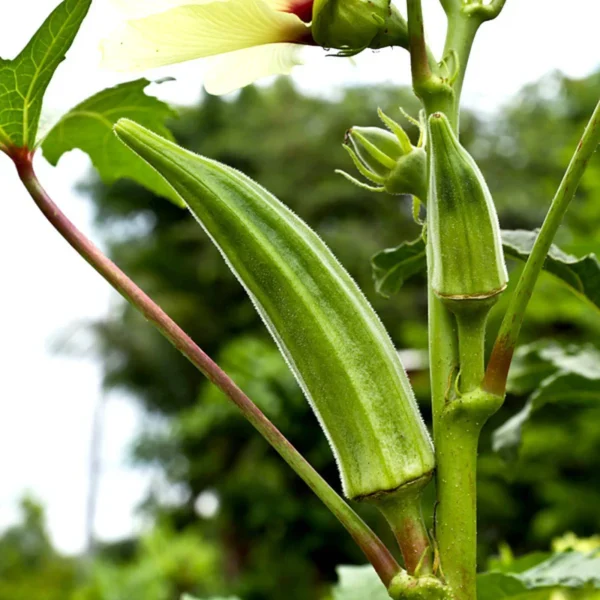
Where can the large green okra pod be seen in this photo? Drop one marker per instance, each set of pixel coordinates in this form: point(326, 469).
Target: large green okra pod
point(331, 337)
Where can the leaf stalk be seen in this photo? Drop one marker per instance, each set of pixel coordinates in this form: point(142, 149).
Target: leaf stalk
point(497, 370)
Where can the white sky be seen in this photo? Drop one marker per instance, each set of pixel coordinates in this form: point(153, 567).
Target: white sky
point(47, 400)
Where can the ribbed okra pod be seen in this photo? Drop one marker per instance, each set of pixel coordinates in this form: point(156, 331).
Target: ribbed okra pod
point(332, 339)
point(462, 224)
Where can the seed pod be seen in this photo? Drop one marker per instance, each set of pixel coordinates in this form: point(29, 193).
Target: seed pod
point(332, 339)
point(388, 159)
point(353, 25)
point(462, 225)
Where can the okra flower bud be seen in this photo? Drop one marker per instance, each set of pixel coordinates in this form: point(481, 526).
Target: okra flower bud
point(353, 25)
point(462, 225)
point(388, 158)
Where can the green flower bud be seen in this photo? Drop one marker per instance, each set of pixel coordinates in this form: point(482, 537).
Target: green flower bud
point(462, 225)
point(353, 25)
point(388, 159)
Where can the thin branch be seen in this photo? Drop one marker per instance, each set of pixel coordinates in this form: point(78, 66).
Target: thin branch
point(374, 549)
point(434, 91)
point(419, 61)
point(504, 347)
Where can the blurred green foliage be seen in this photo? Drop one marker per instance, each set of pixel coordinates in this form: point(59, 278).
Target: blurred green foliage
point(164, 566)
point(161, 565)
point(270, 538)
point(29, 566)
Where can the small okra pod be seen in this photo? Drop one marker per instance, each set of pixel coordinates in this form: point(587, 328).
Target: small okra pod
point(332, 339)
point(464, 249)
point(466, 254)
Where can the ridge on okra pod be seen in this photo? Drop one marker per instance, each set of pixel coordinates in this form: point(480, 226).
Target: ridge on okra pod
point(332, 339)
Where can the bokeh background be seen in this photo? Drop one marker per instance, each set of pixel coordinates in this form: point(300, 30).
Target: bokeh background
point(125, 475)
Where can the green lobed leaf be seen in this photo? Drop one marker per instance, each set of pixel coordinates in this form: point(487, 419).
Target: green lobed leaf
point(494, 586)
point(566, 569)
point(512, 565)
point(574, 379)
point(359, 583)
point(89, 127)
point(23, 80)
point(582, 275)
point(393, 266)
point(188, 597)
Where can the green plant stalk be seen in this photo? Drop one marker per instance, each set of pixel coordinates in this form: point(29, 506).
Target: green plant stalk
point(374, 549)
point(459, 40)
point(471, 337)
point(456, 422)
point(471, 325)
point(506, 341)
point(434, 91)
point(457, 425)
point(443, 359)
point(405, 518)
point(455, 440)
point(455, 517)
point(460, 35)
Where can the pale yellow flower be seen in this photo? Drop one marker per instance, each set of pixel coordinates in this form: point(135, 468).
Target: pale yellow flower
point(249, 39)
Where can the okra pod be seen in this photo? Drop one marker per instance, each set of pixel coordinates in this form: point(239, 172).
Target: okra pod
point(462, 224)
point(331, 337)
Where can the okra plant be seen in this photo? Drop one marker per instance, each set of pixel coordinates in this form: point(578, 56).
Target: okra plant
point(333, 341)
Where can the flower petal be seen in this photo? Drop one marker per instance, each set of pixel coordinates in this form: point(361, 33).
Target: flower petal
point(194, 31)
point(136, 9)
point(300, 8)
point(234, 70)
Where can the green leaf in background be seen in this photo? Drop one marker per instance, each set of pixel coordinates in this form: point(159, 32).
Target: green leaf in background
point(359, 583)
point(572, 377)
point(582, 275)
point(23, 81)
point(494, 586)
point(188, 597)
point(567, 569)
point(89, 127)
point(393, 266)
